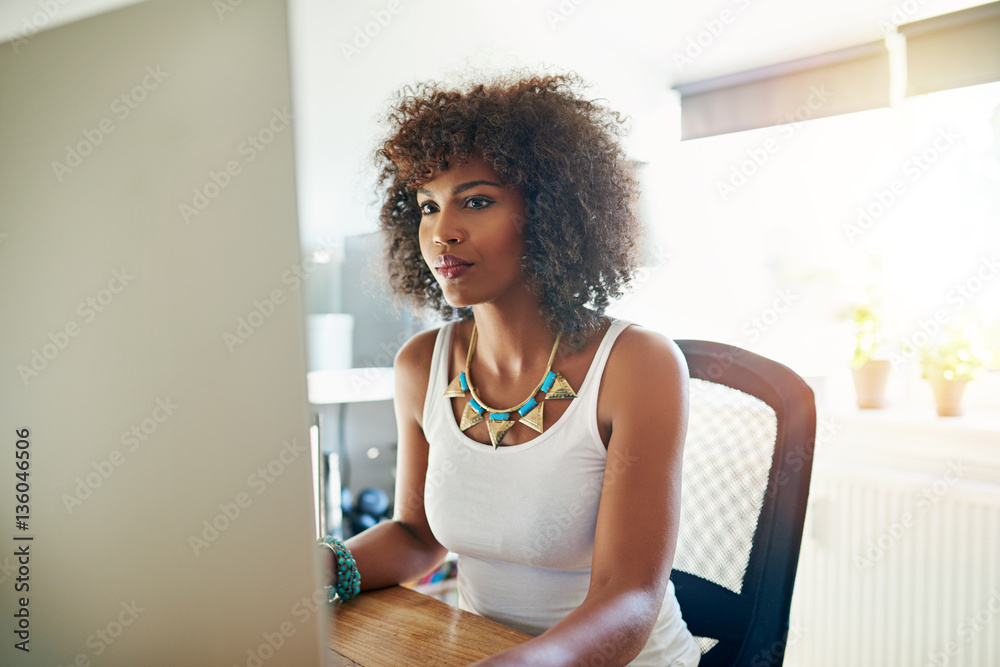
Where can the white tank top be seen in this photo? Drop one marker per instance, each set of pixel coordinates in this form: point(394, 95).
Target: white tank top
point(522, 518)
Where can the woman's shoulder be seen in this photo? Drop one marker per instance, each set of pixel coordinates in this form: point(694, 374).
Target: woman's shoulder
point(415, 355)
point(417, 351)
point(645, 377)
point(637, 336)
point(412, 368)
point(639, 352)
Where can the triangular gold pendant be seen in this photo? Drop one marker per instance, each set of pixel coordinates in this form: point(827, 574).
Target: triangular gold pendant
point(534, 418)
point(469, 417)
point(560, 388)
point(498, 429)
point(454, 389)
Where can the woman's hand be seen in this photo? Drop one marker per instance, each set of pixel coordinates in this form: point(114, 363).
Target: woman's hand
point(404, 548)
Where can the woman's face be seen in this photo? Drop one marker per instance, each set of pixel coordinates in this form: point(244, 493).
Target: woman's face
point(472, 233)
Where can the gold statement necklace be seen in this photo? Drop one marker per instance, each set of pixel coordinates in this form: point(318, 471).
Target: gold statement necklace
point(528, 411)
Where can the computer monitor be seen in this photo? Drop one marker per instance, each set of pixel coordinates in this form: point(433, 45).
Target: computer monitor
point(157, 495)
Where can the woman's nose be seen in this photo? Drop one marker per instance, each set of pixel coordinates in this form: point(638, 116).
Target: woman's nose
point(448, 228)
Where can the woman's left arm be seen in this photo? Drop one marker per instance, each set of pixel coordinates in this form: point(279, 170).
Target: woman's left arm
point(644, 394)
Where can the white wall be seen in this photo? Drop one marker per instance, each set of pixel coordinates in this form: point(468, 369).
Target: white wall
point(629, 49)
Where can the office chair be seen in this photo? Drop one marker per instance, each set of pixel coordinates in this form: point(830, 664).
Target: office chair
point(747, 462)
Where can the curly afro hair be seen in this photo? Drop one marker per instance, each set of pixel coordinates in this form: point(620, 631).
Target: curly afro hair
point(538, 132)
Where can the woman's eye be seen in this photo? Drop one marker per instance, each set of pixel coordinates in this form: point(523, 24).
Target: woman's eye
point(478, 202)
point(427, 208)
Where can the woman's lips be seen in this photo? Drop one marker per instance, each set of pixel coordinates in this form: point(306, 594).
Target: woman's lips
point(450, 267)
point(453, 271)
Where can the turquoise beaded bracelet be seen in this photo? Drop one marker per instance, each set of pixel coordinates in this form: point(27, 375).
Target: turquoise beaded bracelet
point(348, 579)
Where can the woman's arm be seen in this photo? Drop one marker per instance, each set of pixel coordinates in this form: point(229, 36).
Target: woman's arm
point(644, 392)
point(403, 549)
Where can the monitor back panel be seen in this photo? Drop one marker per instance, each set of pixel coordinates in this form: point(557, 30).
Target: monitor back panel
point(152, 349)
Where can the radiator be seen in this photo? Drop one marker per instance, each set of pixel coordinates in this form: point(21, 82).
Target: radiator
point(898, 570)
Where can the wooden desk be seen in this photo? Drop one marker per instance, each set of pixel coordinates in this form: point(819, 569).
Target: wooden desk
point(398, 626)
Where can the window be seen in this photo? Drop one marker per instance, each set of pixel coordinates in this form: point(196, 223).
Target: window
point(764, 238)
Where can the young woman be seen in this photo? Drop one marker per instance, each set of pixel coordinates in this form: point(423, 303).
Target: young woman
point(539, 440)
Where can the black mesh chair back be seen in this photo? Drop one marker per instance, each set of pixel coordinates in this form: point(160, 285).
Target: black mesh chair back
point(747, 463)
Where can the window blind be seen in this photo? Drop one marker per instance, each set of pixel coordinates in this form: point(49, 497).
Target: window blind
point(953, 50)
point(839, 82)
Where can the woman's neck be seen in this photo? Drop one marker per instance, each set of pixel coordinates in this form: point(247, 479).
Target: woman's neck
point(511, 339)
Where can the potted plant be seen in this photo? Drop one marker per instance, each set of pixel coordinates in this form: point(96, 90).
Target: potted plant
point(949, 364)
point(870, 370)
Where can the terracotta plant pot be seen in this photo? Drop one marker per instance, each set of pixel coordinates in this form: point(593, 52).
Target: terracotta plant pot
point(948, 396)
point(869, 383)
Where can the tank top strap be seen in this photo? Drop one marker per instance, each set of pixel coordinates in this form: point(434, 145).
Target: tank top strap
point(590, 388)
point(439, 369)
